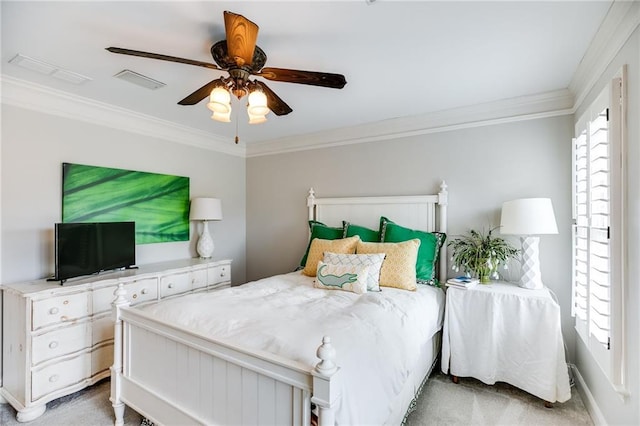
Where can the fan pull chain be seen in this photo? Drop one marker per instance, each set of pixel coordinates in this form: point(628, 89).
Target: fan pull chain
point(237, 139)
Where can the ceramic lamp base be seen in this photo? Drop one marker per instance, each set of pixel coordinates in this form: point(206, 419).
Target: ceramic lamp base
point(205, 242)
point(531, 275)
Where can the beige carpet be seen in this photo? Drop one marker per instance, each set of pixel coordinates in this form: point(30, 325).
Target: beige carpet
point(471, 402)
point(442, 403)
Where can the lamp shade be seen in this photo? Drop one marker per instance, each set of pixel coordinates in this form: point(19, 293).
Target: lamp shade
point(205, 209)
point(528, 216)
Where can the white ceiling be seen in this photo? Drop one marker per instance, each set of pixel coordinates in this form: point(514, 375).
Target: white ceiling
point(400, 59)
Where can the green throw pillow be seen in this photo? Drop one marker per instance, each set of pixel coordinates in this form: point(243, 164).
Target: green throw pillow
point(367, 235)
point(322, 231)
point(430, 243)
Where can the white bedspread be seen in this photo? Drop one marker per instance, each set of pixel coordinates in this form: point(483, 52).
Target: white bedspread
point(376, 335)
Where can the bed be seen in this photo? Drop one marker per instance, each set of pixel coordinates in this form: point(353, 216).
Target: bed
point(281, 351)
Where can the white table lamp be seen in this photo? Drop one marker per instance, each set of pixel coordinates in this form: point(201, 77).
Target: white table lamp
point(205, 209)
point(529, 217)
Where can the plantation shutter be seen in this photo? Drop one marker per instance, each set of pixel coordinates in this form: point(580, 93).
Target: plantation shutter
point(591, 269)
point(599, 234)
point(599, 258)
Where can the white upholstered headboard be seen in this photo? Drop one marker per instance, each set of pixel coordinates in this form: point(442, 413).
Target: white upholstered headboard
point(423, 212)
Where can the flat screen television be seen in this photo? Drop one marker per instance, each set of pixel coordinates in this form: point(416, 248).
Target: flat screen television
point(89, 248)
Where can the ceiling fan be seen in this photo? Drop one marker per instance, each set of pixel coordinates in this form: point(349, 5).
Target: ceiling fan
point(242, 58)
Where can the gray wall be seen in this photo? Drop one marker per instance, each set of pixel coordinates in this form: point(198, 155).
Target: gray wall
point(615, 409)
point(34, 146)
point(483, 166)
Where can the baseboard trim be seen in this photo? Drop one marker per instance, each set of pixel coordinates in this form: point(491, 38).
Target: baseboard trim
point(588, 399)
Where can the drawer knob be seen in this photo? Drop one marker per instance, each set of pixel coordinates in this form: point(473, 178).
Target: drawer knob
point(54, 311)
point(170, 285)
point(54, 378)
point(53, 345)
point(66, 302)
point(144, 291)
point(135, 296)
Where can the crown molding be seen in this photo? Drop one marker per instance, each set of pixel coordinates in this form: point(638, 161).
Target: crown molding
point(621, 21)
point(28, 95)
point(550, 104)
point(39, 98)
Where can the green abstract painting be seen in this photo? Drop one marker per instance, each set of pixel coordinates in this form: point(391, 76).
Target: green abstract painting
point(159, 204)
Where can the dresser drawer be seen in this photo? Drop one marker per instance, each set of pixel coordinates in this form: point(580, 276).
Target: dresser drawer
point(199, 278)
point(60, 375)
point(142, 290)
point(103, 329)
point(137, 291)
point(60, 342)
point(102, 299)
point(101, 359)
point(219, 274)
point(59, 309)
point(175, 284)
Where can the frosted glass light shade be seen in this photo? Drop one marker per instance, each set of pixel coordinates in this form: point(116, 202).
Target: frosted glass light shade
point(528, 216)
point(205, 209)
point(256, 119)
point(257, 104)
point(220, 101)
point(225, 118)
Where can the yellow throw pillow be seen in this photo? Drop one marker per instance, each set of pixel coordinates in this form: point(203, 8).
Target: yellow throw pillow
point(319, 246)
point(399, 266)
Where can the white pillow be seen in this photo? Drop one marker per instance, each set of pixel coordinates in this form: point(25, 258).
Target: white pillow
point(351, 278)
point(373, 260)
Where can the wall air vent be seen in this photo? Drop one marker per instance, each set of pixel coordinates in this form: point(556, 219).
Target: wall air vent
point(48, 69)
point(139, 79)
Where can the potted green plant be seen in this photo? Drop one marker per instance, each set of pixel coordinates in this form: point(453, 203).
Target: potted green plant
point(479, 254)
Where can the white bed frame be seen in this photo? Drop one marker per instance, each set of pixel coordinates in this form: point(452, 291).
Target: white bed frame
point(175, 377)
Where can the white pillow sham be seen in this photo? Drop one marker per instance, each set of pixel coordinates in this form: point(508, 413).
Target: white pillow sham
point(373, 260)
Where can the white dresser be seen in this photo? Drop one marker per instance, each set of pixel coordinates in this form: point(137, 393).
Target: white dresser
point(58, 339)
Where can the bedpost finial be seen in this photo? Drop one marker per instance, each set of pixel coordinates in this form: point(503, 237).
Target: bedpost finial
point(120, 293)
point(443, 195)
point(327, 354)
point(311, 198)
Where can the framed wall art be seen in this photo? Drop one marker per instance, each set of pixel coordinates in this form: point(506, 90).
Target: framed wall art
point(158, 203)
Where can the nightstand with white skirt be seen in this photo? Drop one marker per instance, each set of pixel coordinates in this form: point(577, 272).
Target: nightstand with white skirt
point(500, 332)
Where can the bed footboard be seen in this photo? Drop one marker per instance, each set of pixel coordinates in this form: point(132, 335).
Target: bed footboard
point(173, 376)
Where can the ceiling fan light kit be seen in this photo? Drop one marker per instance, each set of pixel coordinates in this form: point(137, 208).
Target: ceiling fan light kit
point(257, 103)
point(220, 100)
point(241, 58)
point(222, 117)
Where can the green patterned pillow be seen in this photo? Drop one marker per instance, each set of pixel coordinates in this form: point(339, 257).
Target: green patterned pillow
point(365, 234)
point(430, 244)
point(322, 231)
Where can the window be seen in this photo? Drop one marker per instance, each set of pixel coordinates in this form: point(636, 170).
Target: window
point(598, 243)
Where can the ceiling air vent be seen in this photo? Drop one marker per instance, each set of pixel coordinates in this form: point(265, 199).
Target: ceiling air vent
point(139, 79)
point(48, 69)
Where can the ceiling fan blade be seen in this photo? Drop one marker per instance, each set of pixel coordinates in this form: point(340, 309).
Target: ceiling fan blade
point(275, 104)
point(201, 93)
point(334, 81)
point(242, 35)
point(162, 57)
